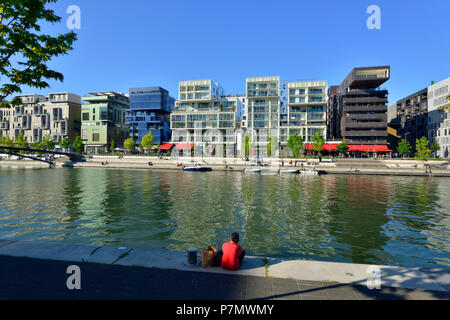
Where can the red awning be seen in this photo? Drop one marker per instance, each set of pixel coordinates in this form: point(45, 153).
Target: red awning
point(353, 147)
point(166, 146)
point(326, 147)
point(184, 146)
point(369, 148)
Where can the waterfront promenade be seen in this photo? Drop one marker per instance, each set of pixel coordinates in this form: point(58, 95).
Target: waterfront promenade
point(37, 270)
point(394, 167)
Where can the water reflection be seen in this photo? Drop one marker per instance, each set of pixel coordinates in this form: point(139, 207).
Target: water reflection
point(363, 219)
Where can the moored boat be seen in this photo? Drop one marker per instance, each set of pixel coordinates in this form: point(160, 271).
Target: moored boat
point(309, 172)
point(197, 168)
point(292, 171)
point(252, 170)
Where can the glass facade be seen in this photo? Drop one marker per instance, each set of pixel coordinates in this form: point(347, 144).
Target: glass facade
point(150, 108)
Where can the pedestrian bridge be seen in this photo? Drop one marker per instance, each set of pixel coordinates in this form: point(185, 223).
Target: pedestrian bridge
point(15, 151)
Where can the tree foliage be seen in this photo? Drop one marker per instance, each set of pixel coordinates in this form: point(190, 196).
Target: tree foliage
point(318, 142)
point(112, 145)
point(404, 147)
point(5, 141)
point(422, 151)
point(269, 146)
point(46, 143)
point(435, 146)
point(78, 144)
point(25, 50)
point(342, 148)
point(247, 146)
point(129, 143)
point(295, 143)
point(65, 143)
point(20, 142)
point(147, 141)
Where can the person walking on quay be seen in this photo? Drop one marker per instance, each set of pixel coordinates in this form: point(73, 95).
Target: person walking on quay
point(231, 255)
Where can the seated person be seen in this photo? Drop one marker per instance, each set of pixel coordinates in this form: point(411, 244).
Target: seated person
point(231, 255)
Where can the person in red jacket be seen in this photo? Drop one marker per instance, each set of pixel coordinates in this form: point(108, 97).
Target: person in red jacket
point(231, 255)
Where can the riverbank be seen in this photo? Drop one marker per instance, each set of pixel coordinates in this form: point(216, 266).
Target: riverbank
point(341, 166)
point(362, 166)
point(259, 277)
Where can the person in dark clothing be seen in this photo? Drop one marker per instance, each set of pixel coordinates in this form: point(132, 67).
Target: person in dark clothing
point(231, 255)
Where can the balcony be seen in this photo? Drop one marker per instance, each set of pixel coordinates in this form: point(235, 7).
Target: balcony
point(365, 100)
point(45, 122)
point(364, 133)
point(374, 108)
point(26, 122)
point(38, 110)
point(64, 127)
point(366, 125)
point(4, 125)
point(375, 116)
point(57, 114)
point(19, 111)
point(37, 135)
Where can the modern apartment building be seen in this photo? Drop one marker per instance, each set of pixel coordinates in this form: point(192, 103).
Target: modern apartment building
point(412, 115)
point(439, 116)
point(307, 110)
point(360, 106)
point(56, 116)
point(103, 120)
point(150, 109)
point(205, 118)
point(262, 114)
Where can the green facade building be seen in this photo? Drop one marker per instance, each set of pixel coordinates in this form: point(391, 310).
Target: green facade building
point(103, 120)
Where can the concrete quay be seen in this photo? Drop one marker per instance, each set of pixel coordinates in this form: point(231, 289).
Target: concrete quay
point(364, 166)
point(347, 166)
point(258, 278)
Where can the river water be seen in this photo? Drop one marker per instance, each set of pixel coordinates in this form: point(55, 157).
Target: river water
point(346, 218)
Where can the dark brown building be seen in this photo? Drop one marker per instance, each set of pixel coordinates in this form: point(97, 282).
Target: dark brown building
point(412, 115)
point(362, 106)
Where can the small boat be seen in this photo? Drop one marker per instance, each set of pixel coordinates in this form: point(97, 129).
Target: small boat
point(288, 171)
point(197, 168)
point(309, 172)
point(252, 170)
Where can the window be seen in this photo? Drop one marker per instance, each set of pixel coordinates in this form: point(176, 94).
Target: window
point(95, 137)
point(85, 116)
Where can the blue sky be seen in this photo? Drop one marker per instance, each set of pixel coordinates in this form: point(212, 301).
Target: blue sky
point(134, 43)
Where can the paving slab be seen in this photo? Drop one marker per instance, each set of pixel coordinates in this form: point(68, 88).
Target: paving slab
point(391, 276)
point(427, 295)
point(284, 289)
point(46, 250)
point(164, 259)
point(410, 278)
point(438, 275)
point(257, 288)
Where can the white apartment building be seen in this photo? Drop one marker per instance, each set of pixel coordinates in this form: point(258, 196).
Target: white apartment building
point(262, 114)
point(307, 110)
point(439, 116)
point(205, 119)
point(56, 116)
